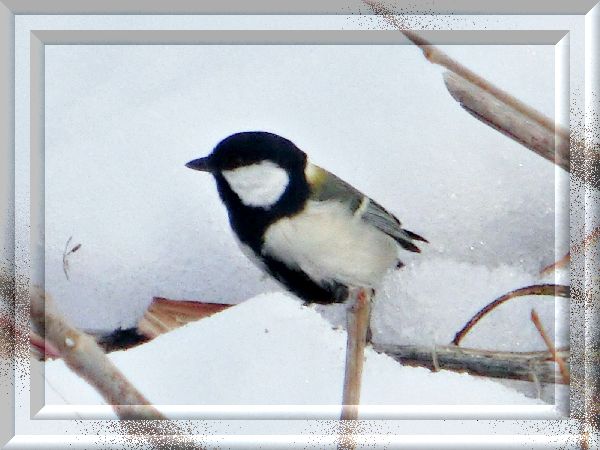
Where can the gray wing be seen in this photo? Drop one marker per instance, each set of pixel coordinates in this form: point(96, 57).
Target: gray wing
point(326, 186)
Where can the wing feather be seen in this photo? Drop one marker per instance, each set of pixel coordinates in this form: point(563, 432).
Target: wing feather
point(326, 186)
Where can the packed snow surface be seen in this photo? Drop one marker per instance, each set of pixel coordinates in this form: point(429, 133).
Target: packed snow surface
point(122, 121)
point(271, 350)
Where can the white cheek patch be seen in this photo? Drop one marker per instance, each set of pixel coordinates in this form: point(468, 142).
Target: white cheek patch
point(258, 185)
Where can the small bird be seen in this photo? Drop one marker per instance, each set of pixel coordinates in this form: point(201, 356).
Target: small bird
point(311, 231)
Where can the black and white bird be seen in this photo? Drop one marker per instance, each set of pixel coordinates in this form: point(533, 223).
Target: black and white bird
point(311, 231)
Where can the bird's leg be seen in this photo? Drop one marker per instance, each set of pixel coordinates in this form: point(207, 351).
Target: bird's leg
point(371, 294)
point(358, 316)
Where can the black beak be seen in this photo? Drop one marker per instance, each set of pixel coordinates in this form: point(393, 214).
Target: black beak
point(202, 164)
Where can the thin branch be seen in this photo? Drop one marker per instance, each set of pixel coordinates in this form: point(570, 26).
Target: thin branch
point(358, 322)
point(590, 240)
point(66, 254)
point(82, 355)
point(564, 370)
point(537, 289)
point(543, 137)
point(64, 258)
point(510, 121)
point(488, 363)
point(436, 56)
point(511, 365)
point(523, 366)
point(585, 441)
point(347, 430)
point(562, 262)
point(434, 359)
point(536, 382)
point(358, 318)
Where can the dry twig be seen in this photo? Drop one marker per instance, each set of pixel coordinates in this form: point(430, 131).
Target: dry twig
point(358, 317)
point(590, 240)
point(537, 289)
point(436, 56)
point(66, 254)
point(82, 355)
point(564, 370)
point(511, 365)
point(523, 366)
point(358, 322)
point(585, 441)
point(501, 113)
point(506, 113)
point(164, 315)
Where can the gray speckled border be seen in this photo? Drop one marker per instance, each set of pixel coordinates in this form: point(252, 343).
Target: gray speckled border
point(290, 37)
point(585, 392)
point(41, 38)
point(241, 7)
point(7, 223)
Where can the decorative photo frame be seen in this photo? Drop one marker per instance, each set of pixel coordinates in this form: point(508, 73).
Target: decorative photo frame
point(29, 25)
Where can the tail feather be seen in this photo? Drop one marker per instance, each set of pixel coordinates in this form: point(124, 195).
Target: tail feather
point(415, 236)
point(405, 239)
point(407, 245)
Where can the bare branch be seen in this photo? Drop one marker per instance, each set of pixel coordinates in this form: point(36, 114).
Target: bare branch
point(562, 262)
point(537, 289)
point(358, 324)
point(585, 441)
point(526, 366)
point(347, 430)
point(436, 56)
point(66, 254)
point(512, 365)
point(510, 121)
point(590, 240)
point(358, 319)
point(82, 355)
point(506, 113)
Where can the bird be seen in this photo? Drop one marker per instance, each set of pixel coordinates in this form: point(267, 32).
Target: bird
point(311, 231)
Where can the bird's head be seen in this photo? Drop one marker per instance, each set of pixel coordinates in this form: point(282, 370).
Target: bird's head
point(257, 166)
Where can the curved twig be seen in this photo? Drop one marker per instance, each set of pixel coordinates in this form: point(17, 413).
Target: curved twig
point(66, 254)
point(555, 290)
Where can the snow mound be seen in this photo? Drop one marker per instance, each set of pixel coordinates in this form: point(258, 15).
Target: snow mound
point(270, 350)
point(431, 299)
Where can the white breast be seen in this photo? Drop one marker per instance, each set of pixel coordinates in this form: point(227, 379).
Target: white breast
point(328, 243)
point(258, 185)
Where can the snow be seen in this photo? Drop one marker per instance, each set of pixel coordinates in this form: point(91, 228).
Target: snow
point(270, 351)
point(428, 302)
point(122, 121)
